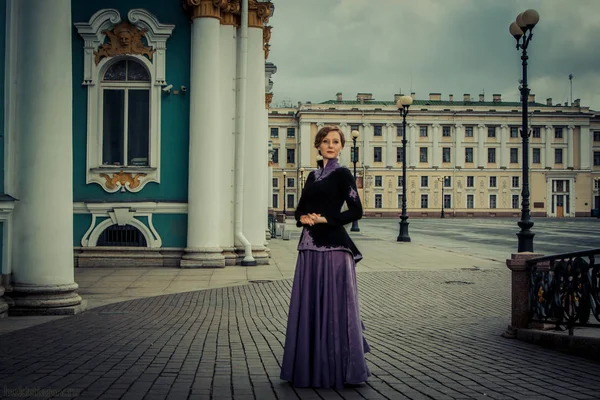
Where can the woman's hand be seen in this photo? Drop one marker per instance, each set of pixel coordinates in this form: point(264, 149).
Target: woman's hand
point(312, 219)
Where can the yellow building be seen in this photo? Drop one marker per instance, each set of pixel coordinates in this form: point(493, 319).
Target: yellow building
point(464, 152)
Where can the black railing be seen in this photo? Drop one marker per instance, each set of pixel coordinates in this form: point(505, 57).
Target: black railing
point(122, 235)
point(273, 225)
point(564, 289)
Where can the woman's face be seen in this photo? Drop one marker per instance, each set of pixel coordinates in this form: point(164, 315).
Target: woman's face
point(331, 145)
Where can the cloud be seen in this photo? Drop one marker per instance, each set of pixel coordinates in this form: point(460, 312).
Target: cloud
point(321, 47)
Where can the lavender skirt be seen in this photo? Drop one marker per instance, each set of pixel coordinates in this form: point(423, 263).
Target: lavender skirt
point(324, 344)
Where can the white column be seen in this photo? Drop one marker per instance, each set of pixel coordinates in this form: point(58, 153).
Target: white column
point(412, 155)
point(390, 153)
point(43, 271)
point(481, 154)
point(459, 154)
point(570, 129)
point(255, 151)
point(504, 151)
point(549, 155)
point(367, 135)
point(227, 62)
point(435, 151)
point(585, 143)
point(345, 153)
point(204, 227)
point(304, 145)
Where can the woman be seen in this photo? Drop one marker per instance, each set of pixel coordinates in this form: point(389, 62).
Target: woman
point(324, 344)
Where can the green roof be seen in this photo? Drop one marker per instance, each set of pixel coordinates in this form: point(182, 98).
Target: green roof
point(437, 103)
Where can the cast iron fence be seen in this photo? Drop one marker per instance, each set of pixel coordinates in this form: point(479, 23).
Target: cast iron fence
point(273, 225)
point(564, 289)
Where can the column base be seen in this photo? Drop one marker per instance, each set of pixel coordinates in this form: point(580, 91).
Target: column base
point(230, 256)
point(28, 300)
point(204, 257)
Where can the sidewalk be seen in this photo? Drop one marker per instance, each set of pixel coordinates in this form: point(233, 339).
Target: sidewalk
point(433, 320)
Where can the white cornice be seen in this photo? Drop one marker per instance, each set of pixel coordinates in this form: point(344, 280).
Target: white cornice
point(140, 207)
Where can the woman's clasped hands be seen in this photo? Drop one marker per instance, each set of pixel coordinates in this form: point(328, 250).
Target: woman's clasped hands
point(312, 219)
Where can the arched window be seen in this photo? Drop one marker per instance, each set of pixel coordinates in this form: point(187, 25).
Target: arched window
point(126, 114)
point(122, 235)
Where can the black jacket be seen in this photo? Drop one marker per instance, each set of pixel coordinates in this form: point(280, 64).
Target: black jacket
point(325, 191)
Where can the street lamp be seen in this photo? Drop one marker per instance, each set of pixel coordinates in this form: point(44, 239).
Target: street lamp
point(442, 214)
point(355, 134)
point(301, 179)
point(284, 189)
point(403, 103)
point(522, 31)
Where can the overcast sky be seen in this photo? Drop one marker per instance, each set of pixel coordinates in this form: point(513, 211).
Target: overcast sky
point(322, 47)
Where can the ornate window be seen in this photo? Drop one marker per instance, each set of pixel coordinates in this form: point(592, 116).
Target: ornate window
point(124, 71)
point(125, 114)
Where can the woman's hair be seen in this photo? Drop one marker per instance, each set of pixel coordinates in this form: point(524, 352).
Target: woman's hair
point(325, 130)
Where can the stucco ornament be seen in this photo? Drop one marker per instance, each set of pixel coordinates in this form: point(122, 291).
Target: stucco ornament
point(122, 180)
point(124, 38)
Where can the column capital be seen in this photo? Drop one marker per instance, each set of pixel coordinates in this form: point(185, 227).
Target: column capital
point(389, 124)
point(202, 8)
point(571, 127)
point(367, 125)
point(548, 127)
point(412, 125)
point(320, 125)
point(481, 125)
point(343, 125)
point(458, 126)
point(435, 125)
point(504, 126)
point(259, 13)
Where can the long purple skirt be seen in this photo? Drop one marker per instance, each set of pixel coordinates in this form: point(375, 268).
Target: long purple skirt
point(324, 344)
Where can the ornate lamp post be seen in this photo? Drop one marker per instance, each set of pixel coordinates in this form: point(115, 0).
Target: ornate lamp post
point(301, 179)
point(522, 31)
point(443, 178)
point(284, 194)
point(355, 134)
point(403, 103)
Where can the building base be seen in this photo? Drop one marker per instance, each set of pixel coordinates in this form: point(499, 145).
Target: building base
point(230, 256)
point(203, 258)
point(261, 255)
point(29, 300)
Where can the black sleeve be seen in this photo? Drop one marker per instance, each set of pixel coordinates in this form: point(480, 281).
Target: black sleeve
point(301, 207)
point(349, 193)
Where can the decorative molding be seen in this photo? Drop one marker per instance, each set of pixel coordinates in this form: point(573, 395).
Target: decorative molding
point(266, 40)
point(107, 23)
point(268, 100)
point(124, 38)
point(259, 13)
point(123, 180)
point(95, 31)
point(123, 216)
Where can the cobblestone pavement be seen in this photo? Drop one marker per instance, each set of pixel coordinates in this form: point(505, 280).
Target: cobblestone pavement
point(434, 334)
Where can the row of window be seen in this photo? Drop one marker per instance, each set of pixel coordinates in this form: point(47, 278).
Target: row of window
point(560, 188)
point(446, 131)
point(291, 132)
point(493, 183)
point(446, 155)
point(470, 201)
